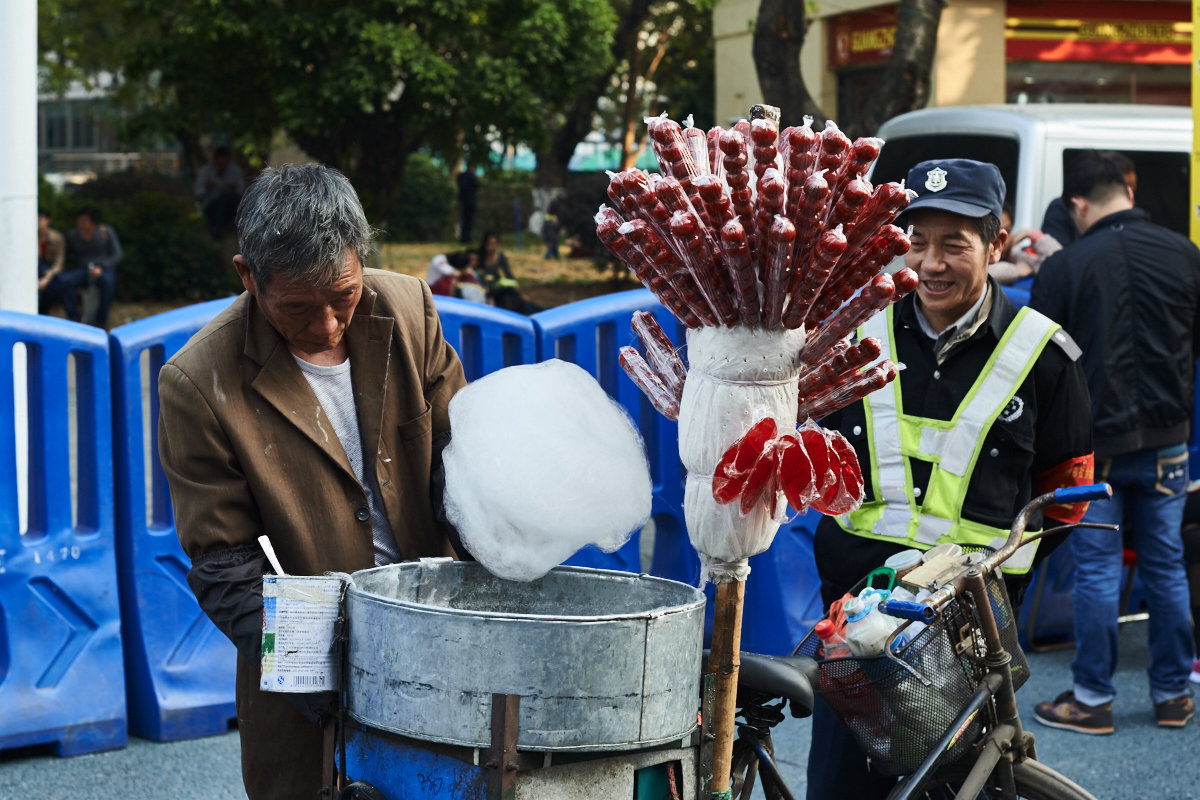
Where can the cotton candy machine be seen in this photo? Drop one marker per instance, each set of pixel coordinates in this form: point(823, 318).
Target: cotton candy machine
point(601, 660)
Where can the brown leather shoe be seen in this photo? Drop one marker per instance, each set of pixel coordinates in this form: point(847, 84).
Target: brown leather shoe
point(1174, 713)
point(1071, 715)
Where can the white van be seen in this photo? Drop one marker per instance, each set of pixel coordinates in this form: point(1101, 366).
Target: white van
point(1029, 143)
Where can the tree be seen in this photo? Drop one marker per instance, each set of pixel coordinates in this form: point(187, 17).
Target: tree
point(669, 68)
point(360, 86)
point(655, 45)
point(779, 33)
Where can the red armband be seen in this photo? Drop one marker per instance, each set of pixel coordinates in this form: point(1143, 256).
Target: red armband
point(1072, 472)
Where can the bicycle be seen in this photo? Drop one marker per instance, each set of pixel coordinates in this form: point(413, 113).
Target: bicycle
point(962, 671)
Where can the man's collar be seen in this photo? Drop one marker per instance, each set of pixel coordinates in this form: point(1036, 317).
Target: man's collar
point(1124, 215)
point(965, 325)
point(989, 315)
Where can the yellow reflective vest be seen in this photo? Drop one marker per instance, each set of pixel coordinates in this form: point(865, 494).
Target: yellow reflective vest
point(900, 513)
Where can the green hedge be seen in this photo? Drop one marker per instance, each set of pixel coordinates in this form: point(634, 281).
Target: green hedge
point(168, 252)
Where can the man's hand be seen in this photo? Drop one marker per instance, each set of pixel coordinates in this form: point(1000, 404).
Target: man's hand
point(317, 707)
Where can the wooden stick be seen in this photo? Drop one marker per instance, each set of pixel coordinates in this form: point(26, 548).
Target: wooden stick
point(724, 661)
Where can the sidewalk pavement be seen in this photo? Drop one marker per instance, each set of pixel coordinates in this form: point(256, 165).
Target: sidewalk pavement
point(1139, 761)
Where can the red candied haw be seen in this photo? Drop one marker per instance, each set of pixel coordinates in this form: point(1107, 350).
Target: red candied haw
point(795, 471)
point(850, 474)
point(763, 483)
point(813, 439)
point(729, 478)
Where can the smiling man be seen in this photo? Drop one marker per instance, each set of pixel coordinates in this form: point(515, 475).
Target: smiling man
point(990, 409)
point(313, 410)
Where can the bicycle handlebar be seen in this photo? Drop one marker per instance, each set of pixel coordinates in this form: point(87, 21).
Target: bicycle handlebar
point(907, 609)
point(924, 611)
point(1082, 494)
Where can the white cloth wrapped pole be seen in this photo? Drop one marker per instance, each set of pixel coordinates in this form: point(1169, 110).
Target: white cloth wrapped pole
point(736, 377)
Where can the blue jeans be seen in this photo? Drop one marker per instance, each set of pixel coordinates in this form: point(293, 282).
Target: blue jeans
point(1148, 498)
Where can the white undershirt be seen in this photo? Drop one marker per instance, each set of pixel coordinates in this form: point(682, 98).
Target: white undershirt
point(333, 388)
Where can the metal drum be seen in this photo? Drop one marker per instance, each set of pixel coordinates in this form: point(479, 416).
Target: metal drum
point(601, 660)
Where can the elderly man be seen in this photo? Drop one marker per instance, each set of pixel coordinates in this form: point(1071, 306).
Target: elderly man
point(1001, 393)
point(313, 410)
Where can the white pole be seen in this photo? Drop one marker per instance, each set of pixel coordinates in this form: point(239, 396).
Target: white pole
point(18, 199)
point(18, 155)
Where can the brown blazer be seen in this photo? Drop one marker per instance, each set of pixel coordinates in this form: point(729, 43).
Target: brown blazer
point(246, 451)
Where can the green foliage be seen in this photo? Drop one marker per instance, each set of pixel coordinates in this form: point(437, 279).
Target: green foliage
point(424, 211)
point(358, 85)
point(496, 209)
point(168, 255)
point(576, 211)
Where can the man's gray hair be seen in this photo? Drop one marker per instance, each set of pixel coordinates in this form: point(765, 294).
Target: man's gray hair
point(297, 222)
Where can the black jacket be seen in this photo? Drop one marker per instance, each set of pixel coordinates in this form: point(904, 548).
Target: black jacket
point(1128, 292)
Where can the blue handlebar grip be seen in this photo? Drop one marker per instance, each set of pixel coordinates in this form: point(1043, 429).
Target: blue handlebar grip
point(906, 609)
point(1082, 494)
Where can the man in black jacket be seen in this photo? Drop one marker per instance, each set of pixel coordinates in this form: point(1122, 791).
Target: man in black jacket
point(1128, 292)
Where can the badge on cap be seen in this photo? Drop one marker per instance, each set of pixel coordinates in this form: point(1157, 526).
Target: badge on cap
point(935, 179)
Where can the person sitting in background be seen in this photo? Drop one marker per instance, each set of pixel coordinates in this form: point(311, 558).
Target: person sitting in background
point(454, 275)
point(466, 285)
point(440, 276)
point(219, 187)
point(93, 251)
point(497, 277)
point(51, 250)
point(1024, 252)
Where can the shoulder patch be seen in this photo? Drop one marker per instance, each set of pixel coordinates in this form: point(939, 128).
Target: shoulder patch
point(1066, 344)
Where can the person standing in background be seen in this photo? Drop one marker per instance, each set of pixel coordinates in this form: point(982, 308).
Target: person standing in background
point(1128, 291)
point(1057, 221)
point(468, 190)
point(550, 229)
point(219, 187)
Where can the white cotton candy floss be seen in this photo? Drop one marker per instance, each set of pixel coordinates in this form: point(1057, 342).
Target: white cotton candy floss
point(736, 377)
point(541, 463)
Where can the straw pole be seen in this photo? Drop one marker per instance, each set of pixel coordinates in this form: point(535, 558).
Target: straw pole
point(724, 661)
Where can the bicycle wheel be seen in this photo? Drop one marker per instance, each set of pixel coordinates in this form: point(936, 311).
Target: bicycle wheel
point(1033, 779)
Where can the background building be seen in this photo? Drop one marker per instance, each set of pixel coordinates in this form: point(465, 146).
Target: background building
point(988, 51)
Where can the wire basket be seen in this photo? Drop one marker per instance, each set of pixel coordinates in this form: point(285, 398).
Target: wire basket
point(899, 706)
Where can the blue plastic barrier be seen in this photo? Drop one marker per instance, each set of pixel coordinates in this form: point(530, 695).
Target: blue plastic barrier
point(61, 678)
point(486, 338)
point(179, 668)
point(590, 334)
point(783, 592)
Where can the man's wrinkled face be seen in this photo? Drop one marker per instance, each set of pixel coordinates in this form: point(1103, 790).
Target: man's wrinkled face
point(951, 260)
point(312, 319)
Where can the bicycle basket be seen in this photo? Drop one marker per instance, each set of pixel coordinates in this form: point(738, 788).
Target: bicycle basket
point(1005, 621)
point(897, 715)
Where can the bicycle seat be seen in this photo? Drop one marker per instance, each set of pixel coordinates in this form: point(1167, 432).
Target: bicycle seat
point(789, 677)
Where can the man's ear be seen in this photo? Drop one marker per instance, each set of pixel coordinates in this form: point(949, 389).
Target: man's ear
point(243, 271)
point(997, 247)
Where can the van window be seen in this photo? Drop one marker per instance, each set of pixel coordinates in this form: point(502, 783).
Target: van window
point(1163, 185)
point(900, 154)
